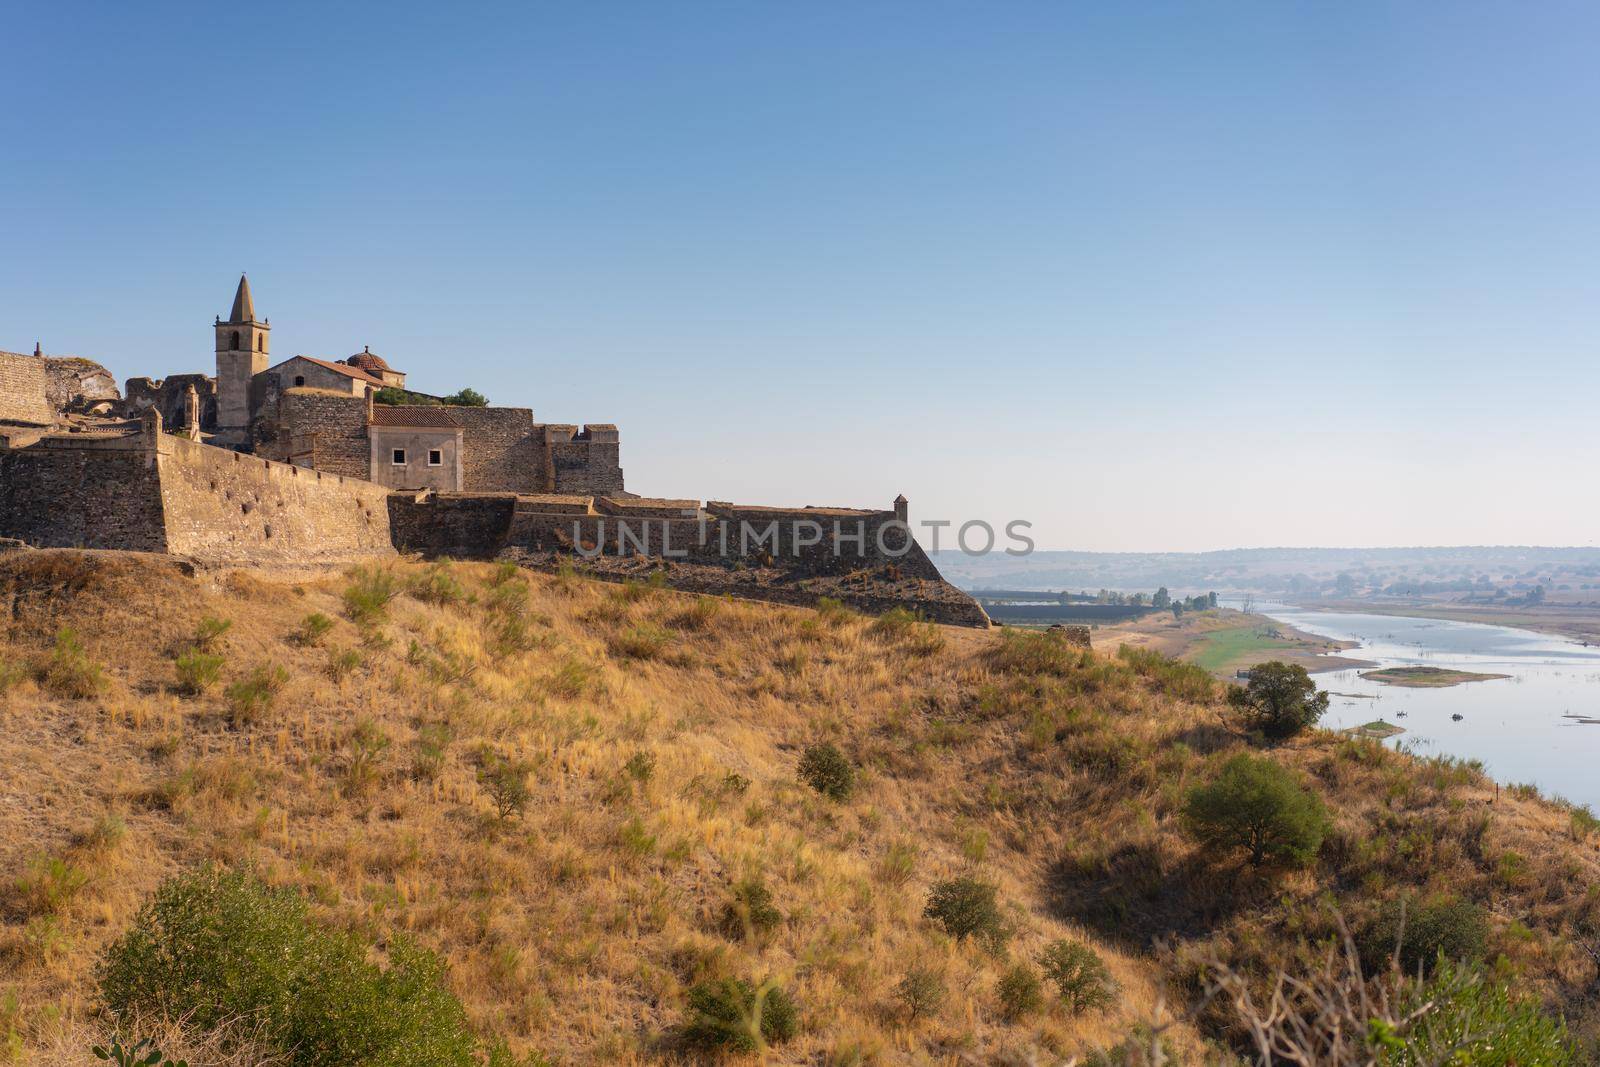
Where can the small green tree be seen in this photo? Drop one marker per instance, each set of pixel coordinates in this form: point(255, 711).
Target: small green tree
point(467, 398)
point(506, 782)
point(1081, 977)
point(1020, 992)
point(1280, 700)
point(920, 992)
point(825, 769)
point(966, 907)
point(1256, 805)
point(735, 1014)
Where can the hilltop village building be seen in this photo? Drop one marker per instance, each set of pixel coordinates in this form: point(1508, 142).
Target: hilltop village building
point(313, 460)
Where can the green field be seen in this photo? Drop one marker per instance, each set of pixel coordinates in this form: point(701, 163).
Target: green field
point(1222, 649)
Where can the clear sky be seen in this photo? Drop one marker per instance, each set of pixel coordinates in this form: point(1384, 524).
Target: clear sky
point(1149, 275)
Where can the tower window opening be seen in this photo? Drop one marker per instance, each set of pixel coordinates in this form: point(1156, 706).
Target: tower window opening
point(235, 340)
point(299, 379)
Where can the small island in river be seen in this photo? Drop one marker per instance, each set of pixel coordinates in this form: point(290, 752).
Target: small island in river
point(1427, 677)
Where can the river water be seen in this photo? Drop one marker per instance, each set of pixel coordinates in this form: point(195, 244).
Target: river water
point(1540, 725)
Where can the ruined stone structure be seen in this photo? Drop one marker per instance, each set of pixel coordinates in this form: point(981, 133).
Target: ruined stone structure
point(297, 462)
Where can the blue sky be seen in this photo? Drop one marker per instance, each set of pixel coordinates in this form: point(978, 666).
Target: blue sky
point(1148, 275)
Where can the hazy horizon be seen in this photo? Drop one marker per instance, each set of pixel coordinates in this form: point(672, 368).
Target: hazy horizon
point(1155, 279)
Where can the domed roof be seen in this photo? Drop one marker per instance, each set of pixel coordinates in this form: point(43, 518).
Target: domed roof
point(368, 361)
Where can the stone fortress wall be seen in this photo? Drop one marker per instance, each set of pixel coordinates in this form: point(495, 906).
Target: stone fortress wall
point(137, 488)
point(24, 390)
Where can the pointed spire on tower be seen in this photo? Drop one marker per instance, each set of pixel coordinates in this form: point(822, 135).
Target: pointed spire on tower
point(244, 309)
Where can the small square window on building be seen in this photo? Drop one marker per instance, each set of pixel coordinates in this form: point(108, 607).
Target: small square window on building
point(435, 457)
point(399, 459)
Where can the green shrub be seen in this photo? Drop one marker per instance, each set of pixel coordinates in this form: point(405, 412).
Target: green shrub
point(209, 632)
point(215, 946)
point(506, 782)
point(369, 751)
point(1422, 933)
point(750, 913)
point(921, 992)
point(833, 611)
point(438, 585)
point(825, 769)
point(734, 1014)
point(1256, 805)
point(433, 739)
point(1019, 991)
point(1186, 681)
point(1583, 823)
point(1035, 652)
point(1463, 1017)
point(641, 766)
point(253, 695)
point(312, 629)
point(49, 884)
point(1280, 700)
point(642, 641)
point(10, 674)
point(198, 671)
point(341, 664)
point(966, 907)
point(69, 671)
point(1081, 977)
point(366, 598)
point(907, 630)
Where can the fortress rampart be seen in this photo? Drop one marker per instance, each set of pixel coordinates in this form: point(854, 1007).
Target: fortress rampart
point(140, 489)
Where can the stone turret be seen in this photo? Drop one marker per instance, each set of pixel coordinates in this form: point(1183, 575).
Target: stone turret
point(191, 413)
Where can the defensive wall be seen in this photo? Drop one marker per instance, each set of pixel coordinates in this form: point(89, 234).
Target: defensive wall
point(24, 390)
point(140, 489)
point(866, 558)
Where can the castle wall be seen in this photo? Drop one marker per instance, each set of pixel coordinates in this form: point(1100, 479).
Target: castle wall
point(466, 526)
point(500, 453)
point(75, 495)
point(154, 492)
point(586, 462)
point(324, 431)
point(77, 383)
point(229, 507)
point(24, 390)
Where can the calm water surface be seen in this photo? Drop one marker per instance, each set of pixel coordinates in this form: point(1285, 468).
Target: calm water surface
point(1529, 727)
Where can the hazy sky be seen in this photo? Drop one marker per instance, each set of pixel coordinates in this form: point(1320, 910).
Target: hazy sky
point(1151, 276)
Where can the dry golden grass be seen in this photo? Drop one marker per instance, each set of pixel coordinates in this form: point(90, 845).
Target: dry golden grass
point(662, 737)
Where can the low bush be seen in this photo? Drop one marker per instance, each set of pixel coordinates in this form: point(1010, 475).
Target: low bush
point(438, 585)
point(907, 630)
point(1082, 979)
point(216, 946)
point(198, 672)
point(966, 907)
point(1019, 992)
point(209, 632)
point(641, 641)
point(825, 769)
point(734, 1014)
point(921, 992)
point(1185, 681)
point(750, 912)
point(69, 671)
point(252, 696)
point(1257, 806)
point(1035, 652)
point(1421, 933)
point(49, 884)
point(366, 598)
point(506, 782)
point(312, 629)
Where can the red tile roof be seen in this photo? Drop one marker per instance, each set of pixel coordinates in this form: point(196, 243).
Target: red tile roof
point(340, 368)
point(412, 415)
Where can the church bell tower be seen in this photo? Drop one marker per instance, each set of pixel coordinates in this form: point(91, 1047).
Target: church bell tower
point(241, 355)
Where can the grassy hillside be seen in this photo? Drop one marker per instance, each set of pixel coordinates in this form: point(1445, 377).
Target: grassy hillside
point(661, 736)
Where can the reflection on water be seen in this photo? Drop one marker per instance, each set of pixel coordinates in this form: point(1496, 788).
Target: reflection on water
point(1541, 725)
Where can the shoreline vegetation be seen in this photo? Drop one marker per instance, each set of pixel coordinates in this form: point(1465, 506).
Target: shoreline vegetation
point(1224, 641)
point(1427, 677)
